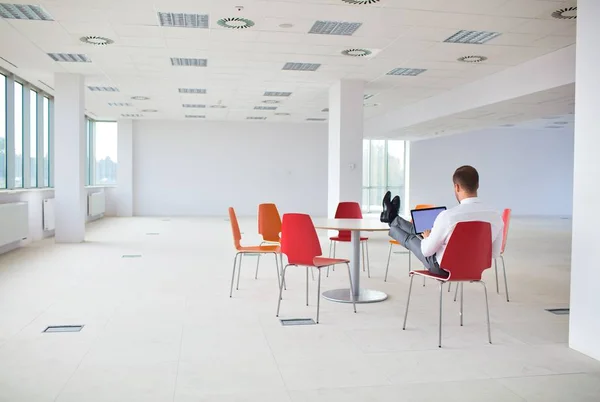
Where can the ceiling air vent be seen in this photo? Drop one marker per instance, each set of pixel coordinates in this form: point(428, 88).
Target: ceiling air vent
point(140, 98)
point(24, 12)
point(569, 13)
point(120, 104)
point(187, 62)
point(472, 37)
point(235, 23)
point(193, 105)
point(271, 101)
point(325, 110)
point(218, 107)
point(149, 110)
point(130, 115)
point(96, 40)
point(183, 20)
point(368, 96)
point(103, 89)
point(282, 114)
point(472, 59)
point(316, 119)
point(301, 66)
point(334, 28)
point(356, 52)
point(265, 107)
point(411, 72)
point(361, 2)
point(192, 90)
point(70, 57)
point(195, 116)
point(256, 118)
point(275, 93)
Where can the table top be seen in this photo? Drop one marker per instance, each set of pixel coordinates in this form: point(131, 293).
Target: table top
point(363, 225)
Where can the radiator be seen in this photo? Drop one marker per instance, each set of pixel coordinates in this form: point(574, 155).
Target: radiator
point(96, 204)
point(14, 222)
point(48, 214)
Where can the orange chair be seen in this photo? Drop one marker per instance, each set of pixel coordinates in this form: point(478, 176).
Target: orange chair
point(244, 250)
point(300, 243)
point(506, 220)
point(350, 210)
point(467, 255)
point(269, 227)
point(395, 243)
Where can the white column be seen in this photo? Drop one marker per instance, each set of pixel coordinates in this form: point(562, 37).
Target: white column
point(69, 157)
point(125, 168)
point(584, 330)
point(345, 143)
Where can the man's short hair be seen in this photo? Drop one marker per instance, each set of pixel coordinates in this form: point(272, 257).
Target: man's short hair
point(467, 178)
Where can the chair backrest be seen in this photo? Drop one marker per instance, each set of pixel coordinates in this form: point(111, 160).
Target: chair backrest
point(235, 228)
point(469, 251)
point(299, 240)
point(506, 220)
point(347, 210)
point(424, 206)
point(269, 222)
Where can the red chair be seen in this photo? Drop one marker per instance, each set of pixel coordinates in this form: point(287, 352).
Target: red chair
point(350, 210)
point(506, 220)
point(467, 255)
point(300, 243)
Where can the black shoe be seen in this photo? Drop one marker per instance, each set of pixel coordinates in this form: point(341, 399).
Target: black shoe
point(396, 204)
point(386, 203)
point(390, 208)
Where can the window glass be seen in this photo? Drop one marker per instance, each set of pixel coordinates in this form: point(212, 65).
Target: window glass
point(46, 133)
point(33, 138)
point(2, 131)
point(18, 101)
point(105, 153)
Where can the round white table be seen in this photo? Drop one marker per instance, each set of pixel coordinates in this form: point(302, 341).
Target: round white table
point(355, 226)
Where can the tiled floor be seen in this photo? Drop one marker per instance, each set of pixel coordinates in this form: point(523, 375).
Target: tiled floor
point(162, 327)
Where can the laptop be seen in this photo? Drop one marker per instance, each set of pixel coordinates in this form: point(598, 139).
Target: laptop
point(423, 219)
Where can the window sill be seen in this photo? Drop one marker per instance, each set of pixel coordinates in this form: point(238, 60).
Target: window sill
point(102, 186)
point(26, 190)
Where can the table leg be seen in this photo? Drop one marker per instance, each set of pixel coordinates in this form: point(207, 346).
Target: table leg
point(355, 263)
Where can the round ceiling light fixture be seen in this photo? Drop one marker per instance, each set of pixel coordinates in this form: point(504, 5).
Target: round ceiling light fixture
point(271, 101)
point(140, 98)
point(568, 13)
point(361, 2)
point(218, 106)
point(282, 114)
point(149, 110)
point(235, 23)
point(472, 59)
point(371, 104)
point(96, 40)
point(356, 52)
point(286, 26)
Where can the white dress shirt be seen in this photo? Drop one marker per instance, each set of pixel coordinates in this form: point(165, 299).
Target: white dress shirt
point(470, 209)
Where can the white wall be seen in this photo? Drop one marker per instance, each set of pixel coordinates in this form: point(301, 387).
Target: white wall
point(530, 171)
point(201, 168)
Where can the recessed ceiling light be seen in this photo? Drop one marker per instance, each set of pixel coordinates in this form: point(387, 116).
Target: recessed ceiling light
point(334, 28)
point(472, 37)
point(271, 101)
point(24, 12)
point(569, 13)
point(561, 122)
point(140, 98)
point(195, 116)
point(119, 104)
point(412, 72)
point(371, 104)
point(193, 105)
point(149, 110)
point(103, 89)
point(235, 23)
point(274, 93)
point(316, 119)
point(301, 66)
point(192, 90)
point(188, 62)
point(183, 20)
point(325, 110)
point(218, 107)
point(256, 118)
point(282, 114)
point(472, 59)
point(356, 52)
point(132, 115)
point(286, 26)
point(96, 40)
point(265, 107)
point(507, 125)
point(554, 126)
point(70, 57)
point(361, 2)
point(551, 117)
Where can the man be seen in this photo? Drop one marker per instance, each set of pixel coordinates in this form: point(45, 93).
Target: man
point(430, 249)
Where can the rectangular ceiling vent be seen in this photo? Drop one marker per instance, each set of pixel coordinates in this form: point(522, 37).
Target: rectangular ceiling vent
point(256, 118)
point(192, 90)
point(187, 62)
point(334, 28)
point(195, 116)
point(410, 72)
point(120, 104)
point(193, 105)
point(472, 37)
point(103, 89)
point(274, 93)
point(325, 110)
point(301, 66)
point(265, 107)
point(70, 57)
point(183, 20)
point(316, 119)
point(130, 115)
point(368, 96)
point(24, 12)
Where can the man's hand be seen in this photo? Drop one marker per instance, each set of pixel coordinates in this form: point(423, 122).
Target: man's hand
point(426, 234)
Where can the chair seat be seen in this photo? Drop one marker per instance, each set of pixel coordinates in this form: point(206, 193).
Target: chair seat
point(430, 275)
point(396, 242)
point(321, 262)
point(346, 239)
point(259, 249)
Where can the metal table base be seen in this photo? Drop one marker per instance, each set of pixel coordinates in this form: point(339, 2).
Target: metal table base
point(364, 296)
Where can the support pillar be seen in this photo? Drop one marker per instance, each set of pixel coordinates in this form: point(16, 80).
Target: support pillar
point(125, 168)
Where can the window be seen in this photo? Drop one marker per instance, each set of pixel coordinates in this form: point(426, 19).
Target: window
point(32, 138)
point(88, 152)
point(383, 170)
point(18, 101)
point(2, 131)
point(46, 134)
point(105, 152)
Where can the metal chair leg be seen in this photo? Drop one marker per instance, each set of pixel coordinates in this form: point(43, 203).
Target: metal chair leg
point(408, 301)
point(233, 274)
point(424, 281)
point(312, 273)
point(257, 263)
point(487, 309)
point(505, 281)
point(351, 293)
point(441, 298)
point(362, 249)
point(307, 268)
point(461, 301)
point(329, 255)
point(237, 286)
point(387, 267)
point(496, 272)
point(281, 291)
point(409, 262)
point(456, 292)
point(319, 296)
point(368, 262)
point(277, 266)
